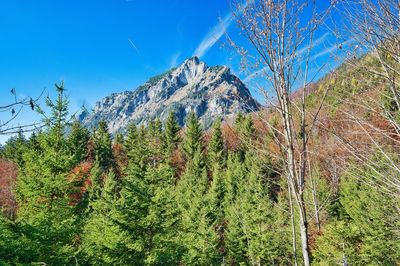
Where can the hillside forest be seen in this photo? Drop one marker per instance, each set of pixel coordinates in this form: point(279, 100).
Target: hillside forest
point(312, 179)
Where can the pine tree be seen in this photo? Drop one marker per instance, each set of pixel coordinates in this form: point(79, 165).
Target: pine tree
point(235, 240)
point(193, 137)
point(198, 235)
point(14, 148)
point(246, 131)
point(131, 139)
point(216, 149)
point(43, 190)
point(102, 238)
point(119, 138)
point(171, 134)
point(78, 141)
point(155, 141)
point(365, 227)
point(103, 147)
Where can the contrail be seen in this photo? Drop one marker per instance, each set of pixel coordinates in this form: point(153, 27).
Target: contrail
point(134, 46)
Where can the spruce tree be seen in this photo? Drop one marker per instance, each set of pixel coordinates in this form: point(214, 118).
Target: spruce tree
point(198, 235)
point(119, 138)
point(193, 137)
point(245, 128)
point(103, 147)
point(143, 218)
point(171, 134)
point(216, 211)
point(258, 214)
point(78, 141)
point(14, 148)
point(216, 149)
point(155, 141)
point(235, 240)
point(253, 235)
point(131, 139)
point(102, 238)
point(364, 229)
point(43, 190)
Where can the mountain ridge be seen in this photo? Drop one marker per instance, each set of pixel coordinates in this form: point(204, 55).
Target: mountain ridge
point(210, 92)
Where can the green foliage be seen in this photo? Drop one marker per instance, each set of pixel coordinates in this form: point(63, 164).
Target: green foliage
point(14, 149)
point(171, 134)
point(192, 142)
point(246, 131)
point(216, 149)
point(211, 207)
point(366, 232)
point(153, 81)
point(198, 236)
point(102, 238)
point(131, 140)
point(119, 138)
point(137, 215)
point(103, 147)
point(45, 215)
point(254, 234)
point(78, 142)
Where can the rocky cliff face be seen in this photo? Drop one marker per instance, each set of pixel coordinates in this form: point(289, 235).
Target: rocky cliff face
point(209, 91)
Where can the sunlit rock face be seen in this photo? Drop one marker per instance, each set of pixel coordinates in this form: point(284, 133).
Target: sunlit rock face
point(210, 92)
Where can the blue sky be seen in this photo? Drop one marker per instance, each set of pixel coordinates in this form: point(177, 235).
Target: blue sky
point(102, 46)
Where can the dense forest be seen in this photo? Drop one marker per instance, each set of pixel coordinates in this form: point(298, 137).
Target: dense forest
point(162, 195)
point(312, 179)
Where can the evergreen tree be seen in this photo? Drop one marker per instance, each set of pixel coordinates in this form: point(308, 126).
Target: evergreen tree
point(143, 217)
point(246, 131)
point(365, 230)
point(265, 246)
point(193, 137)
point(102, 238)
point(14, 149)
point(78, 141)
point(198, 234)
point(171, 134)
point(155, 141)
point(216, 149)
point(45, 214)
point(253, 234)
point(130, 142)
point(216, 211)
point(235, 239)
point(103, 147)
point(33, 142)
point(119, 139)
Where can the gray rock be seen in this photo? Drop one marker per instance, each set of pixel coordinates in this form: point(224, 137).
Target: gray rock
point(209, 91)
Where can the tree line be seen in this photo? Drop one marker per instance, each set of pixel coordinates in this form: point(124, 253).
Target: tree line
point(162, 195)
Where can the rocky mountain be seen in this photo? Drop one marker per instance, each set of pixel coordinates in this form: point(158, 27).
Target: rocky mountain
point(209, 91)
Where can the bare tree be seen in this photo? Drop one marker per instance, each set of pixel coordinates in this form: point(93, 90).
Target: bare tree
point(15, 108)
point(281, 37)
point(374, 25)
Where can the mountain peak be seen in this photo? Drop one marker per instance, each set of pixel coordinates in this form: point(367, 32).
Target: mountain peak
point(210, 92)
point(193, 59)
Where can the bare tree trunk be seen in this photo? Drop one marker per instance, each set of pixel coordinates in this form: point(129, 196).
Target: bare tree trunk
point(304, 231)
point(316, 205)
point(294, 238)
point(315, 197)
point(275, 31)
point(296, 179)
